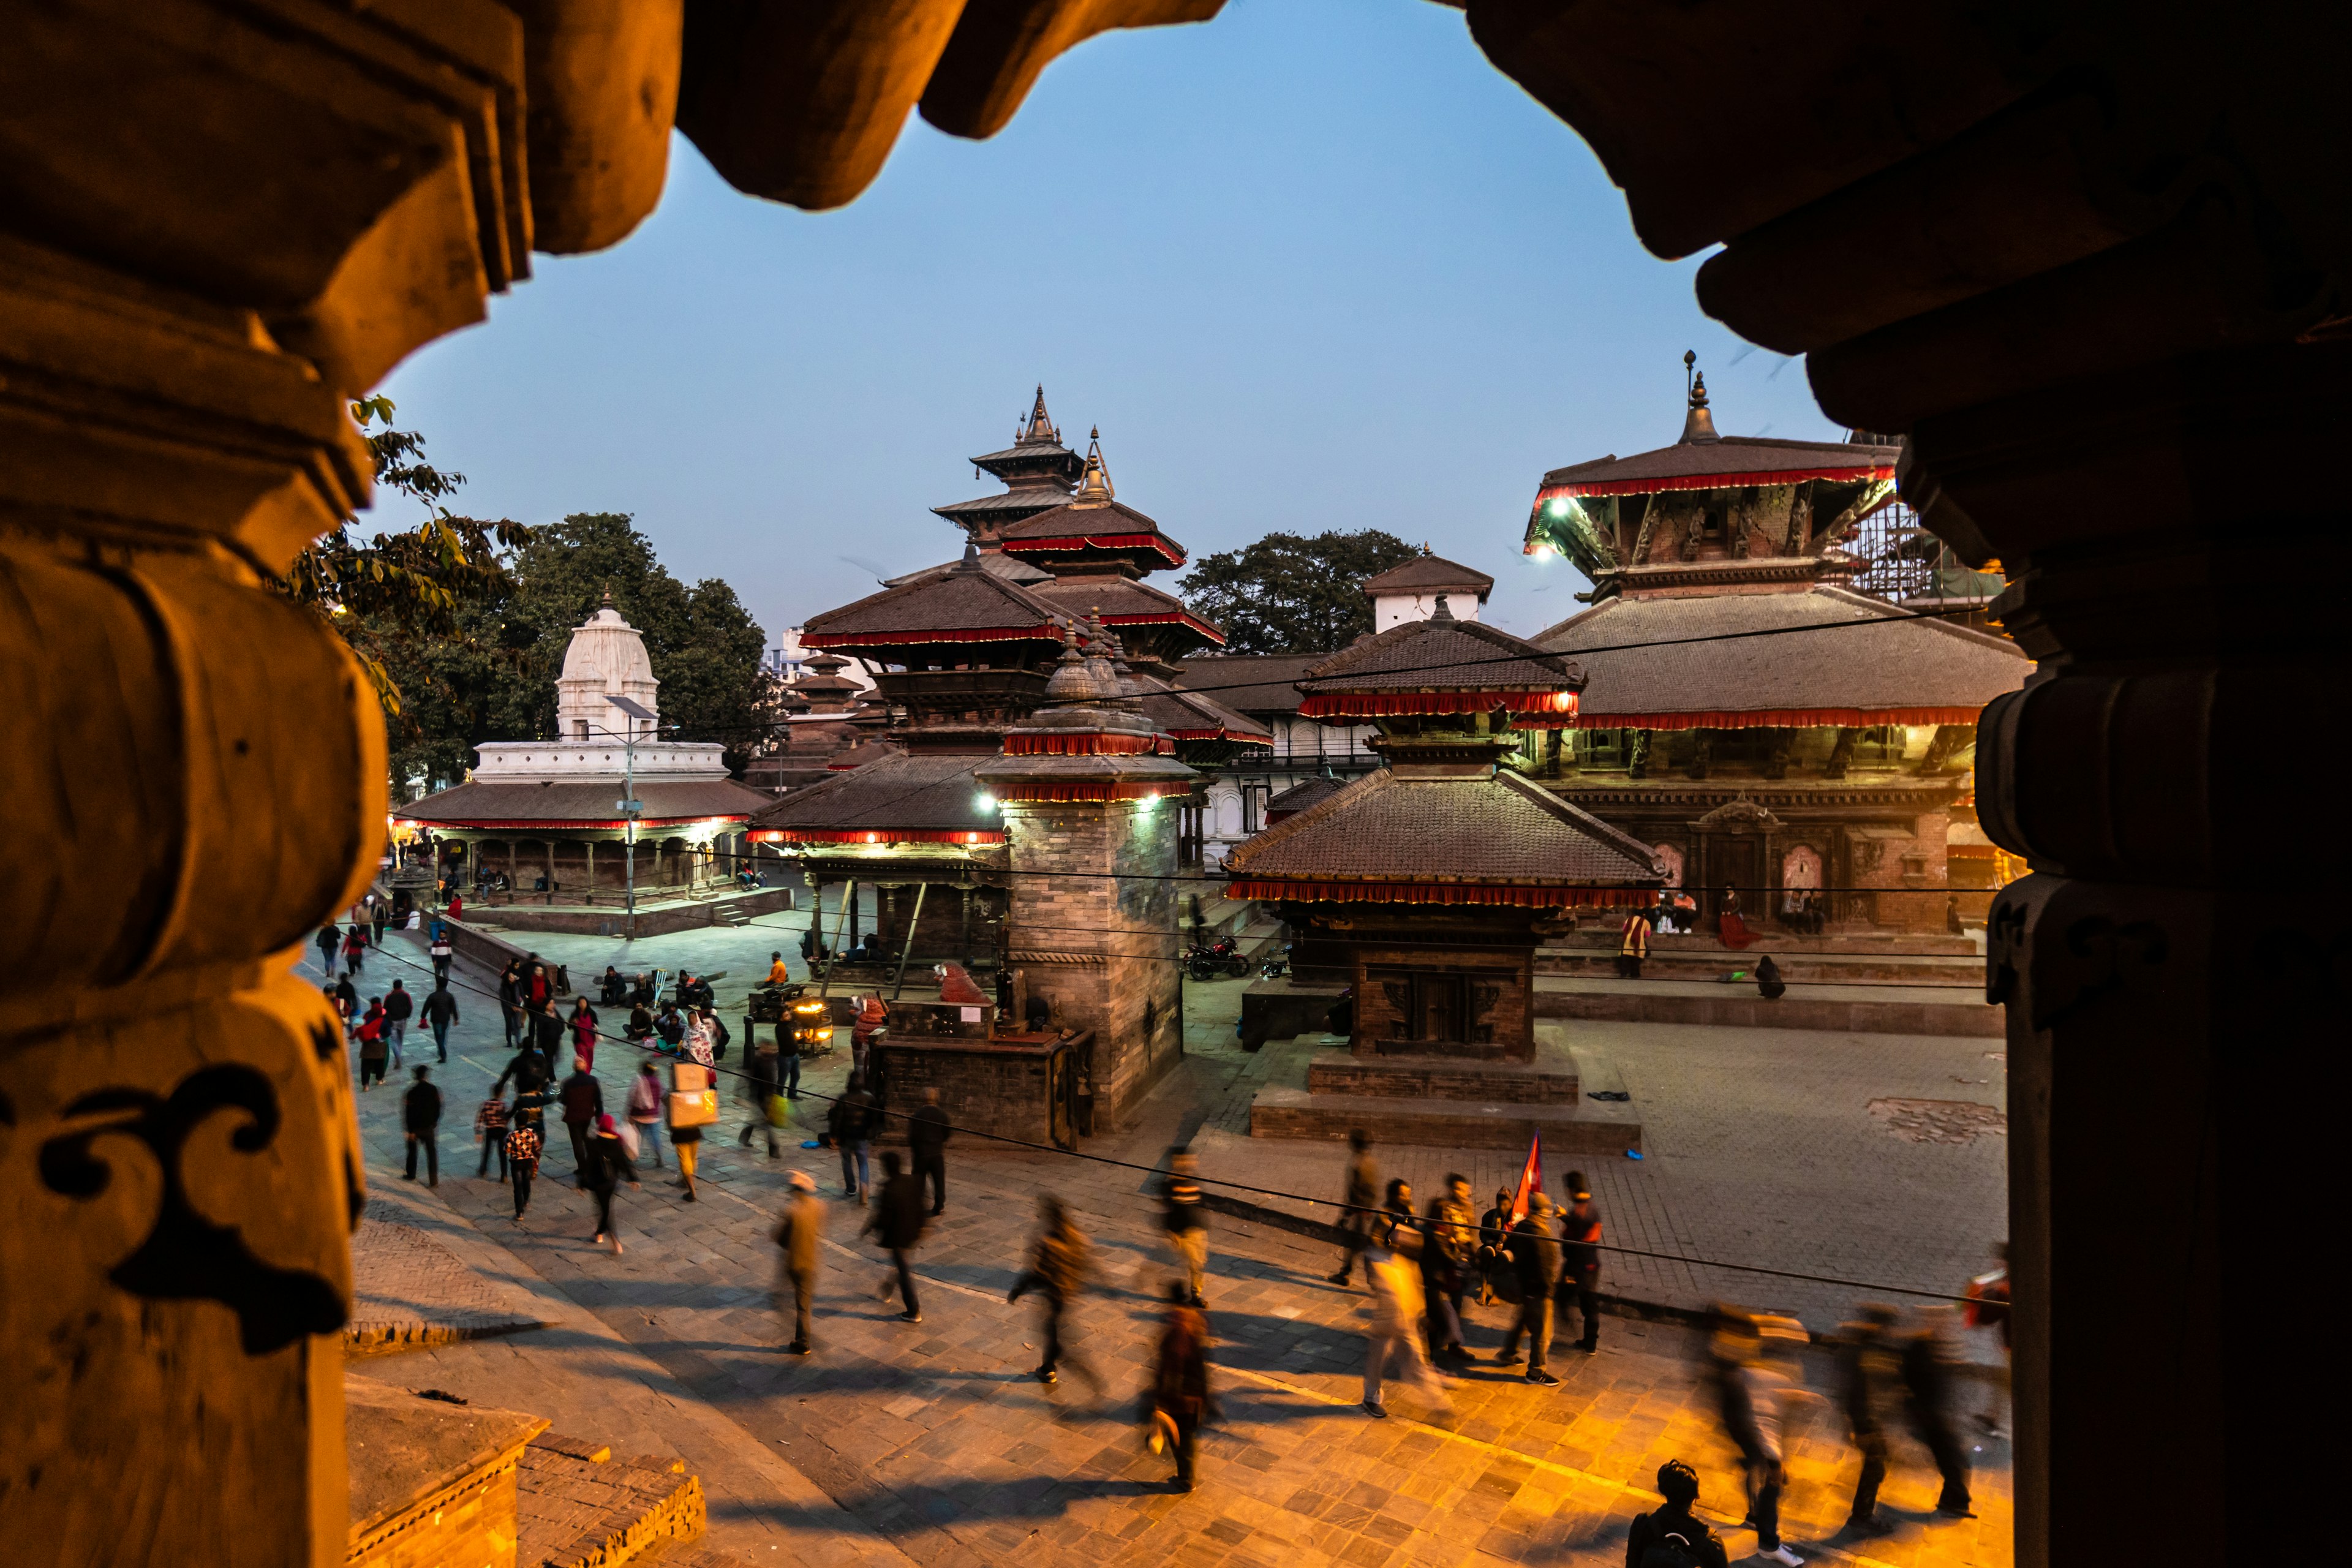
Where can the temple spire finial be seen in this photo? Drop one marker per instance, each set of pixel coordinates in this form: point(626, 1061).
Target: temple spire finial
point(1444, 612)
point(1040, 425)
point(1094, 485)
point(1699, 425)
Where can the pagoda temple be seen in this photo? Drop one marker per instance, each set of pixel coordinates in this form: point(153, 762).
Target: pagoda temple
point(1765, 728)
point(582, 831)
point(967, 656)
point(1427, 885)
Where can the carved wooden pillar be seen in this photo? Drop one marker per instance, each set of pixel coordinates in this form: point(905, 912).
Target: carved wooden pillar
point(221, 223)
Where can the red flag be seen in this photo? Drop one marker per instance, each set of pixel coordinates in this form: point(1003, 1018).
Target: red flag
point(1530, 1179)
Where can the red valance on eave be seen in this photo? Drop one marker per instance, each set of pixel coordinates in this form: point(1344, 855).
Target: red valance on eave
point(1062, 793)
point(1715, 481)
point(1272, 890)
point(877, 835)
point(1382, 704)
point(1781, 719)
point(1166, 618)
point(1088, 744)
point(1219, 734)
point(1038, 633)
point(1173, 556)
point(569, 824)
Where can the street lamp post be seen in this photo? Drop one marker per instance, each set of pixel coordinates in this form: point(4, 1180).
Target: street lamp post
point(629, 805)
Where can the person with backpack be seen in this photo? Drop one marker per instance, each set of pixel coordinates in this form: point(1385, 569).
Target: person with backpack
point(398, 1007)
point(898, 1223)
point(373, 1046)
point(607, 1165)
point(1672, 1535)
point(691, 1109)
point(644, 1111)
point(440, 1011)
point(490, 1127)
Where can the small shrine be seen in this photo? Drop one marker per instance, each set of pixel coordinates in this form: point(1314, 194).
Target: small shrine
point(606, 827)
point(1424, 887)
point(1731, 661)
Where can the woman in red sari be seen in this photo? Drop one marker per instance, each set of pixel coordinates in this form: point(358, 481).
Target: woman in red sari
point(1729, 926)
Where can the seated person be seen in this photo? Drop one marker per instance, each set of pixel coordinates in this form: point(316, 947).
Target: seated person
point(870, 951)
point(614, 990)
point(640, 1028)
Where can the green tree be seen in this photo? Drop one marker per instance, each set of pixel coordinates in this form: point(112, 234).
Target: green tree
point(1292, 594)
point(395, 595)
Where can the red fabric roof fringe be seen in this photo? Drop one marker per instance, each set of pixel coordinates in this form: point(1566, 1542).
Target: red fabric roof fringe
point(875, 836)
point(545, 824)
point(1781, 719)
point(1082, 745)
point(1096, 541)
point(1065, 794)
point(1218, 734)
point(1039, 633)
point(1371, 705)
point(1715, 481)
point(1368, 892)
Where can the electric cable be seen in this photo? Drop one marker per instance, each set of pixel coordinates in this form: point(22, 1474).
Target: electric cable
point(1219, 1182)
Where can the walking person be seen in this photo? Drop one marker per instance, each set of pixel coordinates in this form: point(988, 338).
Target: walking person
point(765, 1090)
point(354, 948)
point(1928, 1360)
point(527, 1068)
point(420, 1124)
point(645, 1111)
point(379, 917)
point(443, 954)
point(693, 1105)
point(583, 1099)
point(897, 1224)
point(1987, 1307)
point(398, 1007)
point(346, 1003)
point(1751, 1395)
point(1635, 946)
point(329, 938)
point(523, 1144)
point(797, 1234)
point(1580, 1250)
point(583, 1025)
point(546, 1026)
point(1360, 1194)
point(373, 1046)
point(490, 1127)
point(440, 1011)
point(1185, 1222)
point(1869, 1370)
point(1673, 1532)
point(1392, 1275)
point(1179, 1387)
point(926, 1140)
point(1061, 1260)
point(608, 1165)
point(1535, 1259)
point(510, 1001)
point(850, 1122)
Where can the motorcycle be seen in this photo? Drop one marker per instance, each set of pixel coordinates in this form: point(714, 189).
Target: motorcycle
point(1207, 962)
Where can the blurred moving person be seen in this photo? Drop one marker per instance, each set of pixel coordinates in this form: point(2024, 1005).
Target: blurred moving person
point(1989, 1308)
point(1061, 1260)
point(1392, 1274)
point(897, 1224)
point(1751, 1392)
point(608, 1165)
point(1535, 1257)
point(1360, 1192)
point(1928, 1362)
point(926, 1140)
point(1449, 1246)
point(1185, 1222)
point(1180, 1389)
point(1869, 1370)
point(1579, 1251)
point(797, 1234)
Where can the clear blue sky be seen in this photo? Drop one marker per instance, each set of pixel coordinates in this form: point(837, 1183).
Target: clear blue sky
point(1313, 264)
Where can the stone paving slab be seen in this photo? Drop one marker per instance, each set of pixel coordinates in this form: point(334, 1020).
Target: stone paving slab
point(409, 1291)
point(933, 1437)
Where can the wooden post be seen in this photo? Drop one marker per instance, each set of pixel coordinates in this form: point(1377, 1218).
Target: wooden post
point(589, 849)
point(898, 982)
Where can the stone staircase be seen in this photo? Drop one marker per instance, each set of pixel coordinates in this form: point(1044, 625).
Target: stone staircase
point(1449, 1101)
point(578, 1507)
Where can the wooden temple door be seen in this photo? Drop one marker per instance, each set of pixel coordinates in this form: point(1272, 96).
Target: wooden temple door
point(1738, 862)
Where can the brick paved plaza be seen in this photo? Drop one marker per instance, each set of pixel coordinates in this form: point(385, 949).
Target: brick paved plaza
point(933, 1441)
